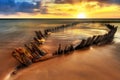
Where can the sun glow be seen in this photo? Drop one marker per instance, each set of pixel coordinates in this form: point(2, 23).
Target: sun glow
point(81, 15)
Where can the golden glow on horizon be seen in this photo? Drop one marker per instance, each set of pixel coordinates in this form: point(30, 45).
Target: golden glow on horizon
point(82, 15)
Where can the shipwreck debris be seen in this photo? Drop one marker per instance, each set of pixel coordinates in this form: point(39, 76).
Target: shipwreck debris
point(32, 52)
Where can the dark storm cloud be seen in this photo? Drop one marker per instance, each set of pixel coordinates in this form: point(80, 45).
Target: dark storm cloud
point(108, 1)
point(11, 6)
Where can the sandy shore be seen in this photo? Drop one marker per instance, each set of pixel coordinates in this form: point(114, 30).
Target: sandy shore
point(101, 63)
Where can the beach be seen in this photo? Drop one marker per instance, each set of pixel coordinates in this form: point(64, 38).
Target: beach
point(96, 62)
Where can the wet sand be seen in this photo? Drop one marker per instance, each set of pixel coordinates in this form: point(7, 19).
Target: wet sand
point(101, 63)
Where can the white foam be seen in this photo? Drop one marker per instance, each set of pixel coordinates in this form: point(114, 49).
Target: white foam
point(7, 77)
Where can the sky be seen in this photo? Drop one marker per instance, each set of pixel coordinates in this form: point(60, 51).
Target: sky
point(73, 9)
point(23, 0)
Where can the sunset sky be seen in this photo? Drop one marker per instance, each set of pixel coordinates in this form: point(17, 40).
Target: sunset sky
point(68, 9)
